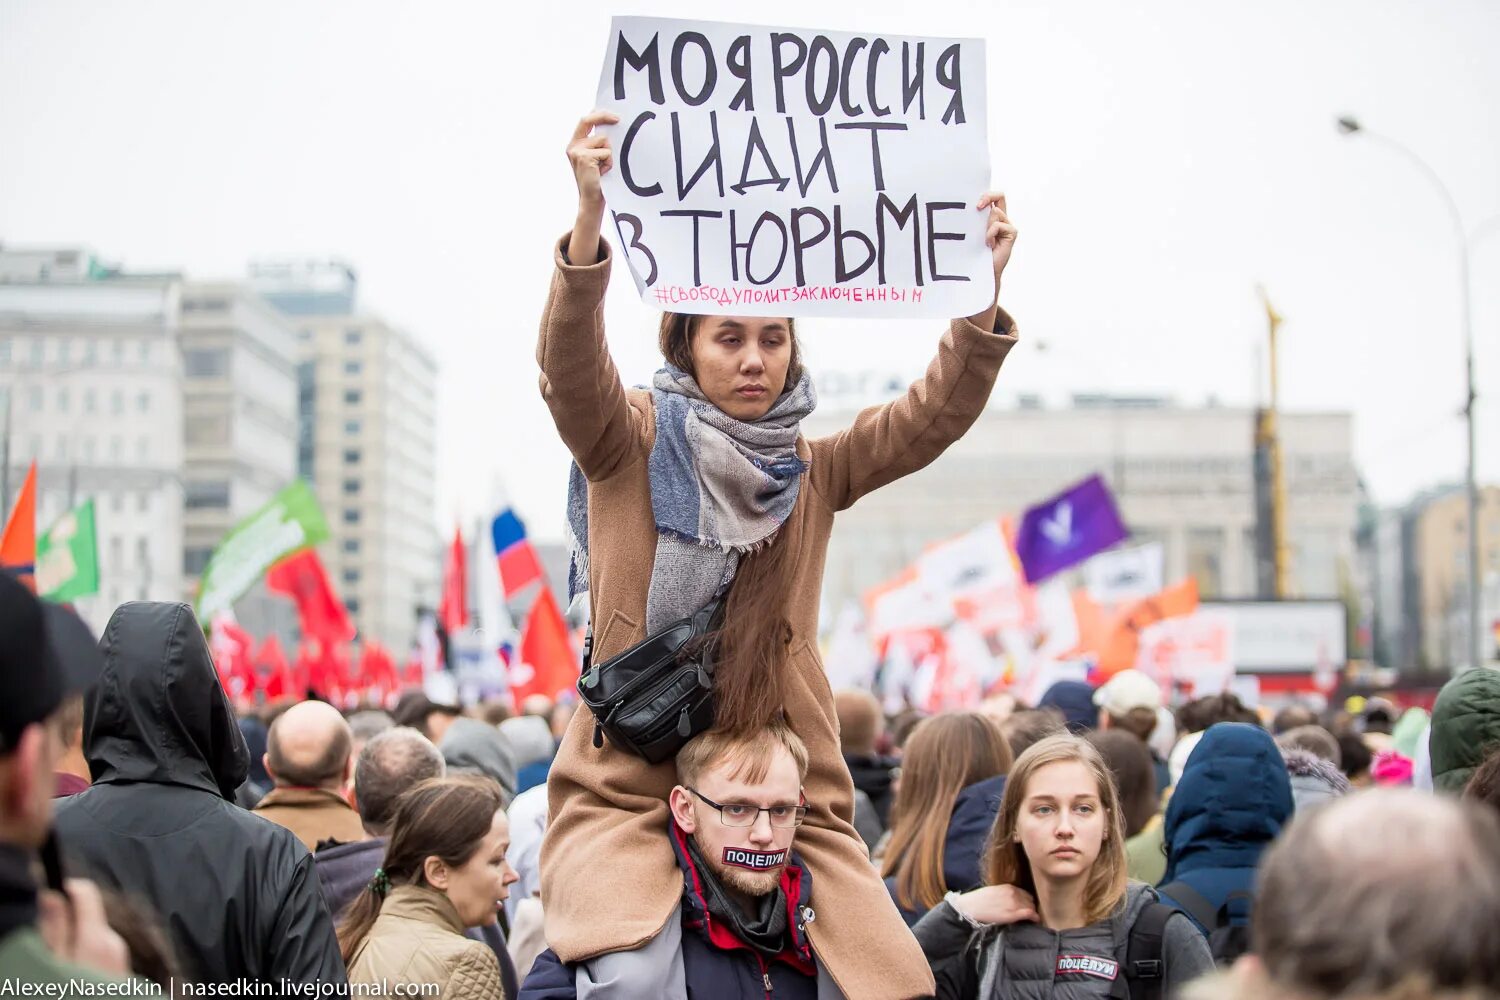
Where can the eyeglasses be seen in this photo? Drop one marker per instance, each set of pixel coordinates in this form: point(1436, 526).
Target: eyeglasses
point(740, 814)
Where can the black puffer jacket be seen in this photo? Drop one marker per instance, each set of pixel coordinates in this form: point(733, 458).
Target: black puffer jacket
point(238, 894)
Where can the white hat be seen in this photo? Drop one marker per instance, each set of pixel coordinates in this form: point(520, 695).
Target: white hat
point(1127, 690)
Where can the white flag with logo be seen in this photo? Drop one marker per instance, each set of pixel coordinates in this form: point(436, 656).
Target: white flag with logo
point(1126, 575)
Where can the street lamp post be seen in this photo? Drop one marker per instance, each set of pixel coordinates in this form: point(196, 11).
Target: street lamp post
point(1350, 126)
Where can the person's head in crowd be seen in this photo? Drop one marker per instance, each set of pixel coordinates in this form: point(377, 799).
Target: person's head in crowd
point(1028, 727)
point(1059, 821)
point(1389, 769)
point(741, 796)
point(471, 747)
point(1378, 716)
point(426, 716)
point(1484, 786)
point(530, 739)
point(1075, 701)
point(309, 746)
point(366, 724)
point(537, 704)
point(1465, 727)
point(1128, 702)
point(1314, 739)
point(1315, 780)
point(391, 763)
point(1326, 925)
point(1135, 779)
point(902, 726)
point(946, 754)
point(1355, 759)
point(1210, 710)
point(1292, 717)
point(861, 722)
point(70, 723)
point(1001, 706)
point(46, 656)
point(1181, 751)
point(493, 711)
point(448, 836)
point(561, 717)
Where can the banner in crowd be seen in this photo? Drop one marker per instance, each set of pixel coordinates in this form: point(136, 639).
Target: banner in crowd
point(67, 556)
point(290, 521)
point(768, 171)
point(1126, 575)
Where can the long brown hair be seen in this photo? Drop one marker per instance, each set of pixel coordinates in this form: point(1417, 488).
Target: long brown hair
point(753, 641)
point(446, 818)
point(945, 754)
point(1007, 863)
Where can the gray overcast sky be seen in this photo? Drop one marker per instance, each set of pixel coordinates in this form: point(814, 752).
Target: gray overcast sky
point(1160, 159)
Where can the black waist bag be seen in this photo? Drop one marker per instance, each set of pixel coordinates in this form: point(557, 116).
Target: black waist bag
point(658, 694)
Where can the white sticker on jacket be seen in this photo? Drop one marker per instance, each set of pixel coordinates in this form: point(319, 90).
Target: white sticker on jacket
point(1087, 965)
point(756, 861)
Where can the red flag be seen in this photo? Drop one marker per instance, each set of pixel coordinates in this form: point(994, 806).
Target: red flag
point(301, 577)
point(377, 673)
point(547, 663)
point(232, 649)
point(278, 681)
point(18, 542)
point(453, 612)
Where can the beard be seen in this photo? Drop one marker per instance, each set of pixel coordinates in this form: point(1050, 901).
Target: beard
point(742, 880)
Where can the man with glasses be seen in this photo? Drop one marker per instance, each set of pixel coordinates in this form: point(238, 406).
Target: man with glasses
point(741, 928)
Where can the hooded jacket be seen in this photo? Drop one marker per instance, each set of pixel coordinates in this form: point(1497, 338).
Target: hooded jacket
point(1314, 780)
point(974, 813)
point(1465, 727)
point(704, 959)
point(874, 774)
point(237, 893)
point(1232, 801)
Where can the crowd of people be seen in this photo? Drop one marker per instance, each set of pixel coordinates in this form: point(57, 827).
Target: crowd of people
point(796, 841)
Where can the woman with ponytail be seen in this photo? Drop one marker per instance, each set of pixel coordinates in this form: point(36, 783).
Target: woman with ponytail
point(699, 487)
point(444, 871)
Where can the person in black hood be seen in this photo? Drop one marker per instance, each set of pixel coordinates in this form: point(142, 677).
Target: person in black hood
point(238, 893)
point(861, 725)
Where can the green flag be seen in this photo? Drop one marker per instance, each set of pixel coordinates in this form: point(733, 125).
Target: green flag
point(67, 557)
point(291, 521)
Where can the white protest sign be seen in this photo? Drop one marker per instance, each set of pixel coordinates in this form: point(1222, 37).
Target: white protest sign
point(787, 172)
point(1126, 574)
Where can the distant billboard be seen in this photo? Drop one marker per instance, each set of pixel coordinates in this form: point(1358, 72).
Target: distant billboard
point(1286, 636)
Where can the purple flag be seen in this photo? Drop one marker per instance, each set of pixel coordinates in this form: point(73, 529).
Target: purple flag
point(1067, 529)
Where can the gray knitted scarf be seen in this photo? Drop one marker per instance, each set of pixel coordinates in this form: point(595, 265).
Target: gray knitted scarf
point(720, 487)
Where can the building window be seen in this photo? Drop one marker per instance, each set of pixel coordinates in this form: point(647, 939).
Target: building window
point(353, 605)
point(4, 350)
point(35, 401)
point(351, 486)
point(143, 402)
point(195, 560)
point(117, 352)
point(62, 448)
point(351, 515)
point(210, 495)
point(351, 546)
point(90, 352)
point(353, 367)
point(62, 400)
point(205, 362)
point(88, 401)
point(145, 352)
point(142, 553)
point(353, 396)
point(143, 502)
point(88, 449)
point(116, 501)
point(351, 426)
point(116, 402)
point(351, 456)
point(351, 577)
point(117, 448)
point(64, 351)
point(142, 449)
point(38, 352)
point(353, 337)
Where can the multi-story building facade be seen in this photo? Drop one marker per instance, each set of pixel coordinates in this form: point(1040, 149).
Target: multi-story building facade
point(1182, 476)
point(367, 442)
point(91, 389)
point(240, 427)
point(1439, 550)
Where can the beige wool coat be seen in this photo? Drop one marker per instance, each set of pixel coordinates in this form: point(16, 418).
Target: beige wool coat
point(419, 939)
point(609, 877)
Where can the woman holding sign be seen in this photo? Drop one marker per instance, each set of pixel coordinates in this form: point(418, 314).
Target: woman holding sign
point(702, 487)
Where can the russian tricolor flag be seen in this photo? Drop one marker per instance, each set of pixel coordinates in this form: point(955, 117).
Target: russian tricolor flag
point(519, 568)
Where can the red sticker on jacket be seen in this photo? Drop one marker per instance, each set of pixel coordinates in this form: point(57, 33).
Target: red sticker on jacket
point(756, 861)
point(1087, 965)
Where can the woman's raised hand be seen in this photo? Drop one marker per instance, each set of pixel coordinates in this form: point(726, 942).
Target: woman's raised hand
point(997, 904)
point(1000, 237)
point(591, 158)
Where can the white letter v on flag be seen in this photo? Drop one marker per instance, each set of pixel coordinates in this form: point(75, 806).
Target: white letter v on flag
point(1059, 527)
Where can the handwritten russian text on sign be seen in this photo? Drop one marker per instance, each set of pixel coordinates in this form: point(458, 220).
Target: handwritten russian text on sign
point(781, 172)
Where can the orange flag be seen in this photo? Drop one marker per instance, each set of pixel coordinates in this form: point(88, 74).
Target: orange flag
point(1123, 644)
point(18, 543)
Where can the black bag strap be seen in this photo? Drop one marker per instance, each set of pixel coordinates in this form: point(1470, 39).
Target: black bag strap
point(1192, 903)
point(1145, 963)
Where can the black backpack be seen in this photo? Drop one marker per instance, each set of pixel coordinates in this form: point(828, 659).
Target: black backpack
point(1145, 968)
point(1227, 940)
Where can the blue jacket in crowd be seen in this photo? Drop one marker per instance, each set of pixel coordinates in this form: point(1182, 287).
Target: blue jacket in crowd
point(716, 964)
point(1232, 801)
point(974, 813)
